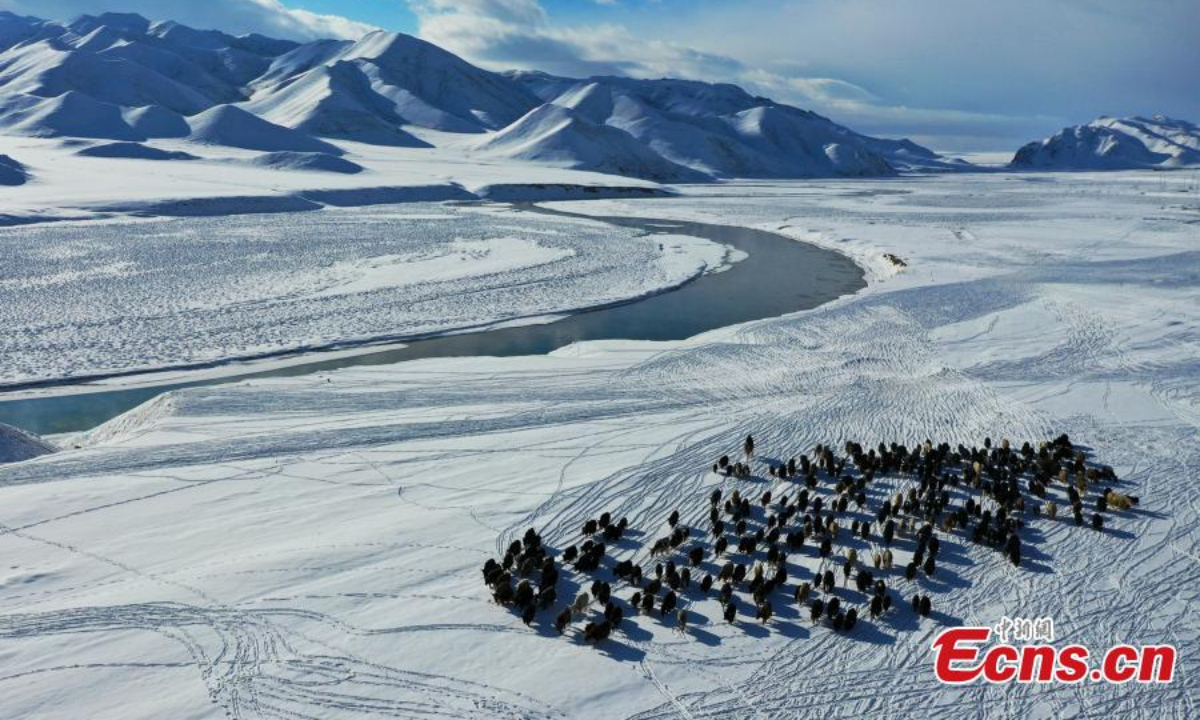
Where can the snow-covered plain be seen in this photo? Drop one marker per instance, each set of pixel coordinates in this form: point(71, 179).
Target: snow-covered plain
point(94, 298)
point(310, 547)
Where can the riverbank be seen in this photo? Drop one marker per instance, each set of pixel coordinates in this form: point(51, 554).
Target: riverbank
point(706, 298)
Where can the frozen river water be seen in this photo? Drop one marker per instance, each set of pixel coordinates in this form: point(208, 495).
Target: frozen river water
point(777, 276)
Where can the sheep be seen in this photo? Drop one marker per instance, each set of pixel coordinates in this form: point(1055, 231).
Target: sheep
point(590, 527)
point(562, 621)
point(648, 602)
point(668, 604)
point(1097, 521)
point(1051, 510)
point(721, 546)
point(580, 606)
point(930, 566)
point(832, 607)
point(925, 606)
point(546, 598)
point(887, 558)
point(802, 592)
point(696, 556)
point(765, 611)
point(1119, 501)
point(614, 614)
point(910, 571)
point(730, 612)
point(597, 632)
point(876, 606)
point(570, 554)
point(528, 614)
point(816, 610)
point(726, 592)
point(827, 581)
point(681, 621)
point(739, 572)
point(748, 447)
point(503, 594)
point(726, 573)
point(706, 584)
point(601, 591)
point(524, 594)
point(673, 519)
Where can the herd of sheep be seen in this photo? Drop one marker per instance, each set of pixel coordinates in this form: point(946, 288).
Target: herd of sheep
point(828, 506)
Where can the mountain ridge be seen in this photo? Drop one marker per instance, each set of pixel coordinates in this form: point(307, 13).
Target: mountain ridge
point(127, 78)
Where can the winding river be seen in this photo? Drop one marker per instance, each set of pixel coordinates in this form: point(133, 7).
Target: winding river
point(778, 276)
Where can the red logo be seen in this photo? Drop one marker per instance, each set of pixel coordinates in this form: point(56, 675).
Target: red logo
point(960, 658)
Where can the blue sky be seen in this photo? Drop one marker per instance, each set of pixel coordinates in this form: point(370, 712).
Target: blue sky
point(952, 74)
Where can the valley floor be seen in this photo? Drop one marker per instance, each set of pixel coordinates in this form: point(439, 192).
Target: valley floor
point(310, 547)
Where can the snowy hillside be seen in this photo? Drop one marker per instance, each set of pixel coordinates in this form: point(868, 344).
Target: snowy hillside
point(232, 126)
point(556, 135)
point(17, 445)
point(12, 172)
point(1115, 144)
point(122, 77)
point(723, 131)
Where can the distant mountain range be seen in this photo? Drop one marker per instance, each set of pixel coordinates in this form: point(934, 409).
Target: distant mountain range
point(121, 77)
point(1115, 144)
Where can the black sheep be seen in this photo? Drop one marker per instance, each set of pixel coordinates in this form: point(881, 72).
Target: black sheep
point(1097, 521)
point(562, 621)
point(930, 566)
point(816, 609)
point(546, 598)
point(597, 632)
point(528, 614)
point(926, 606)
point(730, 612)
point(668, 604)
point(876, 606)
point(673, 519)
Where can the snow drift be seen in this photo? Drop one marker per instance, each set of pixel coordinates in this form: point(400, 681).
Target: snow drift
point(133, 151)
point(318, 162)
point(1115, 144)
point(12, 172)
point(17, 445)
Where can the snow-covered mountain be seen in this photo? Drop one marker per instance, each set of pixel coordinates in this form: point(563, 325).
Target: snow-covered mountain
point(557, 135)
point(1115, 144)
point(723, 131)
point(122, 77)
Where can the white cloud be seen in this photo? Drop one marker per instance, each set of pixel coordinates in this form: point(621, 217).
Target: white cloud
point(507, 34)
point(268, 17)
